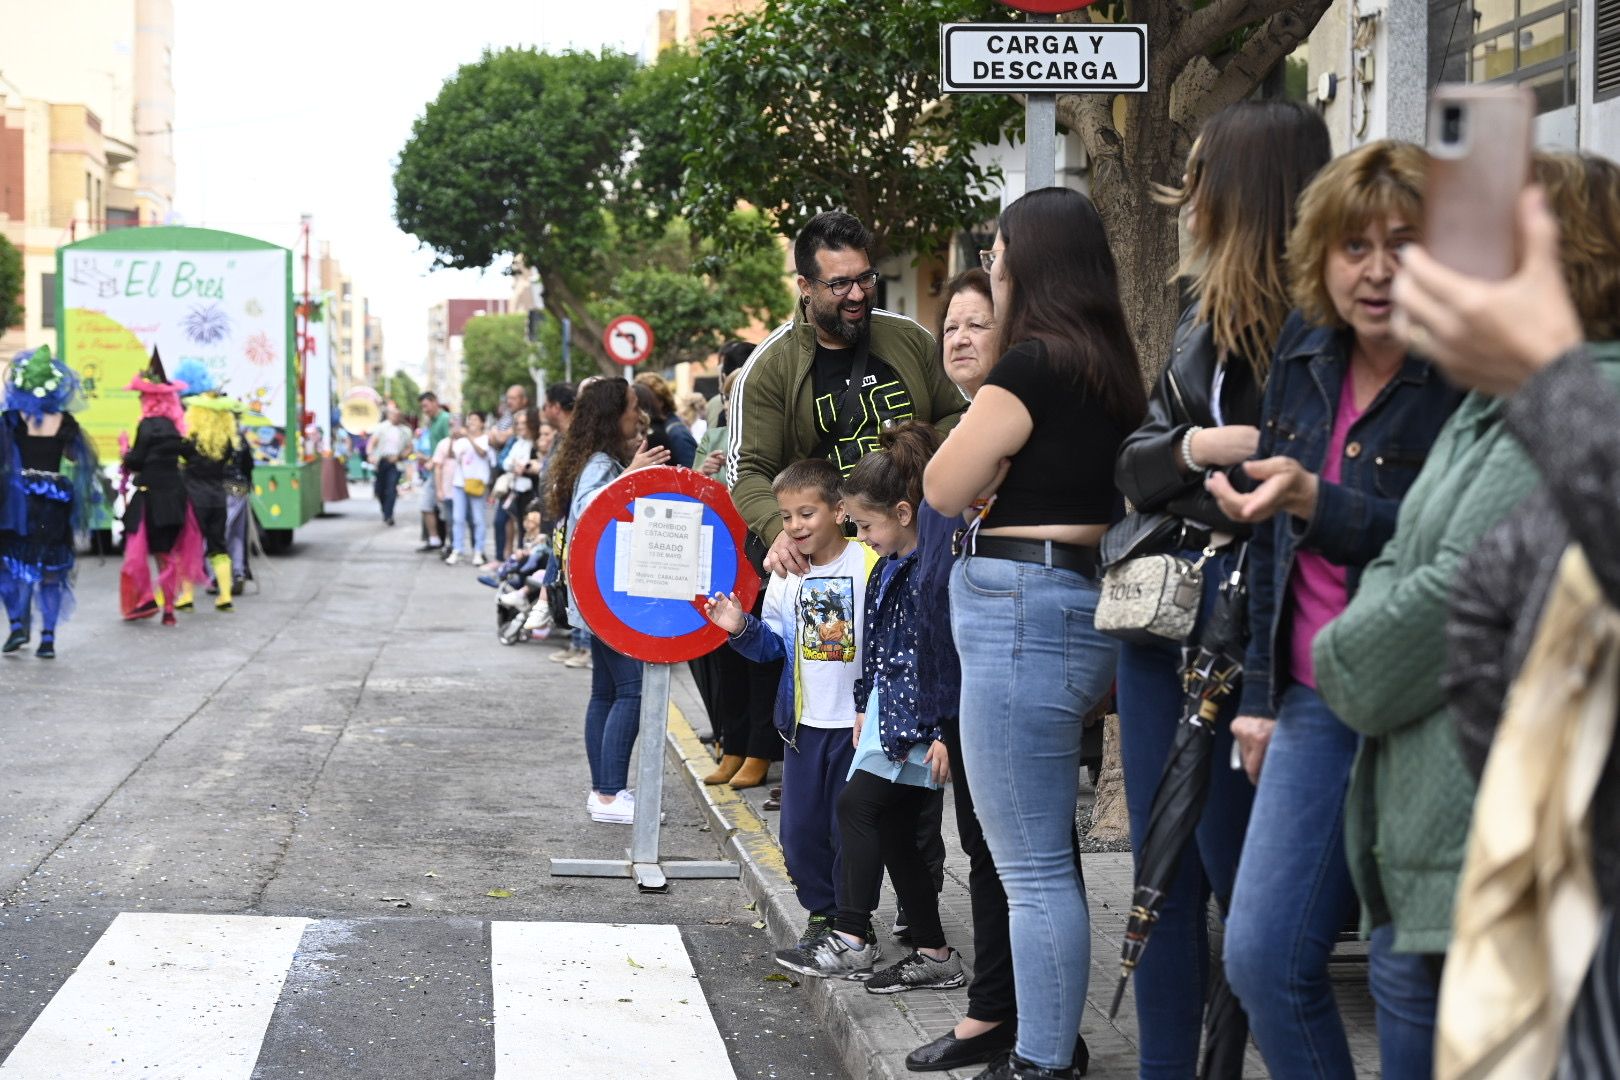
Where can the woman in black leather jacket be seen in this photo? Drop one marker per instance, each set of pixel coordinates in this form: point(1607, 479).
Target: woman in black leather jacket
point(1243, 177)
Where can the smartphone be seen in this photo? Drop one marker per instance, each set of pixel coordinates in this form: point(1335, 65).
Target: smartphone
point(1479, 147)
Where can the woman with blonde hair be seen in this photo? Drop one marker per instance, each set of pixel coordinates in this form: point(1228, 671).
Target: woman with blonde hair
point(1348, 420)
point(1243, 177)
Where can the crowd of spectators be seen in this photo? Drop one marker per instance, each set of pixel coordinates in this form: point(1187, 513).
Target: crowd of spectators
point(1399, 479)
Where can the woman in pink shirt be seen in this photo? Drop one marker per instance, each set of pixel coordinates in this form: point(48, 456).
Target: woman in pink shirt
point(1347, 420)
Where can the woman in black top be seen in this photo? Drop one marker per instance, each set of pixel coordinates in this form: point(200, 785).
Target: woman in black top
point(1243, 177)
point(1037, 451)
point(41, 507)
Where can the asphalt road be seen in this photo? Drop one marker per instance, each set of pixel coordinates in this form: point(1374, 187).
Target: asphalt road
point(350, 747)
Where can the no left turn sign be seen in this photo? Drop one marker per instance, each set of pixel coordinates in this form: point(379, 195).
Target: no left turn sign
point(628, 340)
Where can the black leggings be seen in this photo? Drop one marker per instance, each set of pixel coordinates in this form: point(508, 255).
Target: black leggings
point(878, 822)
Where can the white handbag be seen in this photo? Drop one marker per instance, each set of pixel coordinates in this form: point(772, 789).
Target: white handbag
point(1152, 598)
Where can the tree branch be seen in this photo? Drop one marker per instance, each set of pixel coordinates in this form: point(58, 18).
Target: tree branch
point(1203, 28)
point(1280, 36)
point(1091, 116)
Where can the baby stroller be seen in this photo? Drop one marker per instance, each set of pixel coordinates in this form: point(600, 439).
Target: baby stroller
point(519, 612)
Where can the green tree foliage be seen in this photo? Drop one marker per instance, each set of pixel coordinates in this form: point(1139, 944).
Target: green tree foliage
point(573, 163)
point(402, 390)
point(496, 354)
point(810, 105)
point(11, 285)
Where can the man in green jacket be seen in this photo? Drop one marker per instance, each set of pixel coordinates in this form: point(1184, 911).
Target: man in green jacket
point(790, 401)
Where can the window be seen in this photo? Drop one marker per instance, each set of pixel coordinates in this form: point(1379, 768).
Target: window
point(1530, 42)
point(47, 301)
point(1606, 76)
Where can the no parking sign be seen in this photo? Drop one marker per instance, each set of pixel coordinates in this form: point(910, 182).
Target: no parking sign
point(646, 553)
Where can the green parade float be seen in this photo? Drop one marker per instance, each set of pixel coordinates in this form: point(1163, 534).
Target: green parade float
point(219, 298)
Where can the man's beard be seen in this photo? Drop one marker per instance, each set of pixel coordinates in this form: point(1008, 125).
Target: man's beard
point(831, 320)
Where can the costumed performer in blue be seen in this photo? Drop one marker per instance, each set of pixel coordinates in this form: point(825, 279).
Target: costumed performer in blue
point(211, 450)
point(158, 519)
point(42, 508)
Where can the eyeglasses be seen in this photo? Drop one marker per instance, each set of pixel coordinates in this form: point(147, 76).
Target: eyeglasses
point(987, 258)
point(841, 286)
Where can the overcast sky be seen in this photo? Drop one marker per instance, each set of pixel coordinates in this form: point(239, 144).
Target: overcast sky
point(301, 107)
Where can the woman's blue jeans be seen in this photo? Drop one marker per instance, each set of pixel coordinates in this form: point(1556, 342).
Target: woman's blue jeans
point(471, 518)
point(1406, 989)
point(613, 717)
point(1294, 894)
point(1173, 974)
point(1033, 664)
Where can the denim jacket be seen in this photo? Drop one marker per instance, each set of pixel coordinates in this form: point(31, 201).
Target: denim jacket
point(889, 661)
point(1354, 518)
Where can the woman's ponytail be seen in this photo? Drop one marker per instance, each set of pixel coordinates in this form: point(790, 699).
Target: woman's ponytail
point(894, 473)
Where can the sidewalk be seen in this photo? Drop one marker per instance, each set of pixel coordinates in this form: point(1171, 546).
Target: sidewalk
point(873, 1034)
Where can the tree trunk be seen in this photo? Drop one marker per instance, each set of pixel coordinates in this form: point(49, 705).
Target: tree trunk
point(562, 301)
point(1110, 820)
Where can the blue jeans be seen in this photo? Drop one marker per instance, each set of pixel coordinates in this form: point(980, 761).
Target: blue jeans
point(1294, 894)
point(613, 717)
point(1033, 664)
point(1406, 990)
point(501, 519)
point(1174, 971)
point(471, 518)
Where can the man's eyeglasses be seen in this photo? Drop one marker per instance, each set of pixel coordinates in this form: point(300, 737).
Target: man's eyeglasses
point(987, 258)
point(841, 286)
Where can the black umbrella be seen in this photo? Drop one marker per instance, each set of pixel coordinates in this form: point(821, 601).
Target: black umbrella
point(1178, 803)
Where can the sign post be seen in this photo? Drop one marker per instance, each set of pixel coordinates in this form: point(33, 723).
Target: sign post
point(1041, 59)
point(645, 556)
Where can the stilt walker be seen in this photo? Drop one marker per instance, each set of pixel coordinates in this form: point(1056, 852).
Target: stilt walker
point(158, 519)
point(42, 508)
point(211, 444)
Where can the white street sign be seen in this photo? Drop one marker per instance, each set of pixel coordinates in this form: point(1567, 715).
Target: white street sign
point(1052, 58)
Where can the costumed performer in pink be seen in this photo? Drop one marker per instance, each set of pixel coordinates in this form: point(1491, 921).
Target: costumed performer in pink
point(158, 519)
point(42, 507)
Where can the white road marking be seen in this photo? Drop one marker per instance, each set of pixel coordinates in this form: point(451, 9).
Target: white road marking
point(163, 996)
point(600, 999)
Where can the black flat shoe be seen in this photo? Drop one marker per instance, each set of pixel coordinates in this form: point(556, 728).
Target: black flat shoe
point(948, 1052)
point(46, 650)
point(17, 640)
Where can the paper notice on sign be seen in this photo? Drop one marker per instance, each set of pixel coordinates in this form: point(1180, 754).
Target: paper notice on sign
point(665, 551)
point(622, 561)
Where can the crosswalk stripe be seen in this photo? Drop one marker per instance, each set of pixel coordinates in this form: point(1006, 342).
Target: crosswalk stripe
point(163, 996)
point(598, 999)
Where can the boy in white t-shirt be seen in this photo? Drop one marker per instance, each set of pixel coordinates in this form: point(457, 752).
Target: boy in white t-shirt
point(812, 620)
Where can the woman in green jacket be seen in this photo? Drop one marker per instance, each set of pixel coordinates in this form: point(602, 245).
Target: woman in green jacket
point(1379, 665)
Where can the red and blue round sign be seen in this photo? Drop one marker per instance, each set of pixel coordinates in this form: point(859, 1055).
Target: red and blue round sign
point(657, 629)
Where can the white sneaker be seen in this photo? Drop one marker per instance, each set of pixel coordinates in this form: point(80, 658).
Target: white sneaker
point(539, 620)
point(562, 656)
point(451, 559)
point(516, 599)
point(621, 811)
point(581, 659)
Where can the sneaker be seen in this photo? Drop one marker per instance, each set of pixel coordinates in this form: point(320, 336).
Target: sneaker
point(47, 647)
point(452, 559)
point(563, 656)
point(621, 811)
point(539, 620)
point(516, 599)
point(425, 548)
point(580, 659)
point(818, 927)
point(831, 957)
point(919, 971)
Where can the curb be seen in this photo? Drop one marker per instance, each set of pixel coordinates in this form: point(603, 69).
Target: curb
point(857, 1022)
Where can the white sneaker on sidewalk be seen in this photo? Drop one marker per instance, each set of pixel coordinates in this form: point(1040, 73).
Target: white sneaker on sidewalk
point(621, 811)
point(581, 659)
point(562, 656)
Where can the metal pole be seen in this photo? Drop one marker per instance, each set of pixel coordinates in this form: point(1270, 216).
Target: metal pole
point(1040, 133)
point(567, 351)
point(650, 775)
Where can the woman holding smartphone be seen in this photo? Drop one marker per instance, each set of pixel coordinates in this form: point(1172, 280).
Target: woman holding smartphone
point(1243, 177)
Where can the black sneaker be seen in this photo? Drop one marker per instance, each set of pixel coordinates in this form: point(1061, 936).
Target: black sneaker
point(17, 640)
point(47, 647)
point(818, 927)
point(831, 957)
point(1013, 1067)
point(919, 971)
